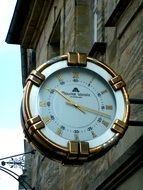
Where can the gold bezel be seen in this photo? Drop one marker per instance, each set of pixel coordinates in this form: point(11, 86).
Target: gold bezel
point(76, 152)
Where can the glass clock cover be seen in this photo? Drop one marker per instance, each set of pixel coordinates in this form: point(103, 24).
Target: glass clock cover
point(75, 108)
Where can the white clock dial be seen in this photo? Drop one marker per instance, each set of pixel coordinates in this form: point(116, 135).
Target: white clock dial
point(76, 104)
point(74, 108)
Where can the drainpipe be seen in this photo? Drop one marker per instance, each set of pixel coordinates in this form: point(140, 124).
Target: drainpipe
point(24, 69)
point(28, 62)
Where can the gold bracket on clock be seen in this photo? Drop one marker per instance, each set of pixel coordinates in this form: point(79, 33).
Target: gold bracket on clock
point(117, 82)
point(35, 124)
point(77, 59)
point(78, 150)
point(119, 127)
point(36, 77)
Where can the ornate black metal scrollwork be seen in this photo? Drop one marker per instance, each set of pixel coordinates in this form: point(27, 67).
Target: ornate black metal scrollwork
point(15, 161)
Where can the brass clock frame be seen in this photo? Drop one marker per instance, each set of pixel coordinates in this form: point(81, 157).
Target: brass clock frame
point(76, 152)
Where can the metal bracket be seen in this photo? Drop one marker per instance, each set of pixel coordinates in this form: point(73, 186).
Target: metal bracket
point(133, 122)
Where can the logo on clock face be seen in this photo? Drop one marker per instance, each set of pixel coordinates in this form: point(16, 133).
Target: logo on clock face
point(75, 93)
point(75, 90)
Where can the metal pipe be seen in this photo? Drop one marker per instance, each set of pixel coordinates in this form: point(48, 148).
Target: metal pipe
point(132, 122)
point(31, 152)
point(136, 123)
point(24, 64)
point(136, 101)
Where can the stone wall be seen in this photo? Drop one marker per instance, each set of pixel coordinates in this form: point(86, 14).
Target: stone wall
point(75, 31)
point(124, 54)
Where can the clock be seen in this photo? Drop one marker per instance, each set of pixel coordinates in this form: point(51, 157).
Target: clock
point(74, 108)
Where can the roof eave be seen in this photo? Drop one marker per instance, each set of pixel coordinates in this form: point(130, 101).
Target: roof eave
point(18, 19)
point(28, 21)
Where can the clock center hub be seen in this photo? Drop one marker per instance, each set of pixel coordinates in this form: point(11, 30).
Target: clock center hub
point(70, 103)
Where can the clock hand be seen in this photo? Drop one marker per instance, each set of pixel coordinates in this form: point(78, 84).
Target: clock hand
point(84, 108)
point(69, 100)
point(79, 106)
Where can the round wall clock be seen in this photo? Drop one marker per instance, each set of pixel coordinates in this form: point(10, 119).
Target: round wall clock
point(74, 108)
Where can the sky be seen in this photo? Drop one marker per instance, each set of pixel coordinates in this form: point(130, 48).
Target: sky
point(11, 92)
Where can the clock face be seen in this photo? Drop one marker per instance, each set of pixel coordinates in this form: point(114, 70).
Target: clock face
point(72, 111)
point(76, 104)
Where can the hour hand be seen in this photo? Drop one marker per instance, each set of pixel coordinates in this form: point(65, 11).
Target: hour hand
point(85, 108)
point(69, 100)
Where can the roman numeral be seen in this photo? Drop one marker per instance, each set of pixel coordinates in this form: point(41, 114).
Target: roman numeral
point(105, 123)
point(46, 119)
point(42, 103)
point(109, 107)
point(59, 131)
point(60, 79)
point(93, 134)
point(104, 91)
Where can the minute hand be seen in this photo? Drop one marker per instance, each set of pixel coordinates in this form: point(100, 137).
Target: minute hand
point(91, 110)
point(69, 100)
